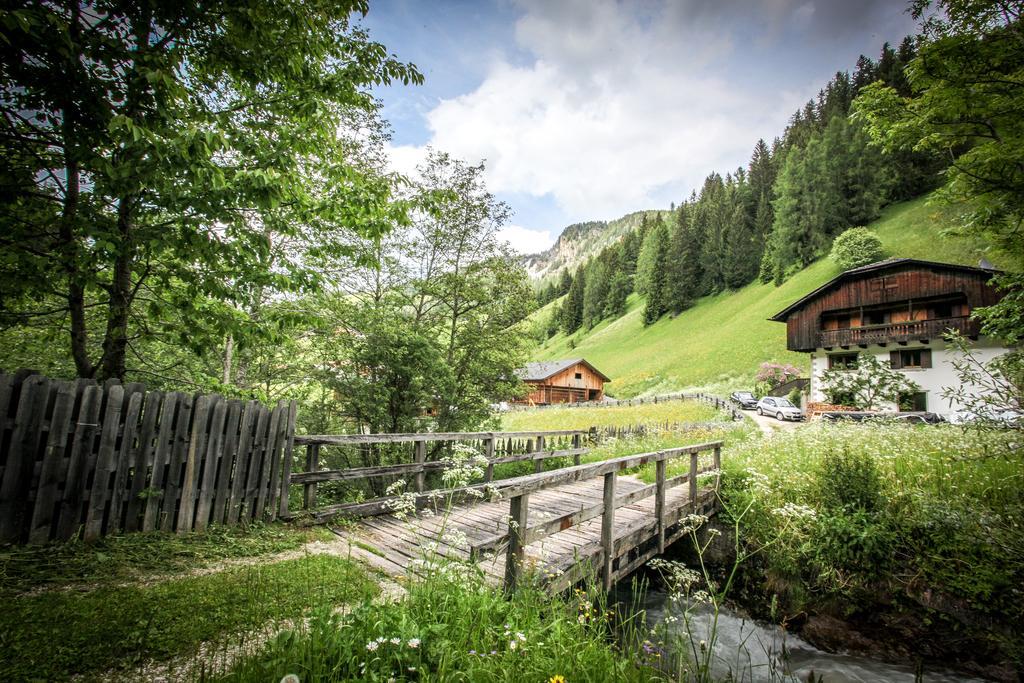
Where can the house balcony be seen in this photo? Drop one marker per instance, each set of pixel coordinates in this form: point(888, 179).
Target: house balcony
point(901, 332)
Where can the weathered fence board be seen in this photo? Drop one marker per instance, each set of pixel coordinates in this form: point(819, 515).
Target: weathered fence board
point(80, 458)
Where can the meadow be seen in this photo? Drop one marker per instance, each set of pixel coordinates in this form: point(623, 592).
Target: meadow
point(609, 416)
point(720, 342)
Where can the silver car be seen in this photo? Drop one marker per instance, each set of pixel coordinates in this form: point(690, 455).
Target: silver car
point(780, 408)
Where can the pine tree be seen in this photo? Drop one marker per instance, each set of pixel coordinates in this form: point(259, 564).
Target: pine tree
point(618, 292)
point(647, 260)
point(684, 269)
point(656, 287)
point(596, 291)
point(572, 307)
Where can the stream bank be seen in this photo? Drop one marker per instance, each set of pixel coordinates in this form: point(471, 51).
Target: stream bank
point(771, 626)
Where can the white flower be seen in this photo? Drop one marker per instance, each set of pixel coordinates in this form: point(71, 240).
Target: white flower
point(414, 642)
point(396, 641)
point(513, 645)
point(372, 646)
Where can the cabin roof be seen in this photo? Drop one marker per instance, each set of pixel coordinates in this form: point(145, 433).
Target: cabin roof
point(871, 268)
point(539, 371)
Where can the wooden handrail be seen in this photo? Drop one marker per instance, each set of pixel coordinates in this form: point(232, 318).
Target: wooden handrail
point(514, 486)
point(551, 526)
point(417, 467)
point(351, 439)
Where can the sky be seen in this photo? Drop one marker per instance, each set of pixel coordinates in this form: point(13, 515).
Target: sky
point(591, 109)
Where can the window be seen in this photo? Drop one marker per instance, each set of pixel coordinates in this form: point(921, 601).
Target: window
point(876, 318)
point(579, 375)
point(910, 359)
point(842, 361)
point(916, 401)
point(943, 310)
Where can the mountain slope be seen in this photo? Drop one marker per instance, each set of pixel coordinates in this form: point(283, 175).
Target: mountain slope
point(579, 242)
point(720, 342)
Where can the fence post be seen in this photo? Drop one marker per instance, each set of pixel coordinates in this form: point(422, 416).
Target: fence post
point(659, 503)
point(312, 465)
point(718, 467)
point(608, 528)
point(420, 456)
point(517, 518)
point(489, 454)
point(576, 440)
point(538, 464)
point(693, 481)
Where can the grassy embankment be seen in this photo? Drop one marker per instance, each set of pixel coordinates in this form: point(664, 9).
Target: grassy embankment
point(720, 342)
point(907, 532)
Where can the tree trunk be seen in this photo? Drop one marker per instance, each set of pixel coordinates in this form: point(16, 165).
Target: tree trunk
point(69, 215)
point(115, 341)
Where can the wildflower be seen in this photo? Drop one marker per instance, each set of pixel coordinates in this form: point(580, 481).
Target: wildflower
point(557, 678)
point(414, 642)
point(290, 678)
point(520, 636)
point(513, 645)
point(396, 641)
point(372, 646)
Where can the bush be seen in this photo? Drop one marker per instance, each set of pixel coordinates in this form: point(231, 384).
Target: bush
point(849, 481)
point(856, 247)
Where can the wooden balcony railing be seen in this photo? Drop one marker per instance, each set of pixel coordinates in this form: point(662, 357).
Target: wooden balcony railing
point(898, 332)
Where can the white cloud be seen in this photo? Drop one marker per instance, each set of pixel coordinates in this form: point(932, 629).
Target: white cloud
point(525, 240)
point(620, 104)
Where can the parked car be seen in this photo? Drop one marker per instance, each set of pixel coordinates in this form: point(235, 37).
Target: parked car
point(744, 399)
point(780, 408)
point(989, 415)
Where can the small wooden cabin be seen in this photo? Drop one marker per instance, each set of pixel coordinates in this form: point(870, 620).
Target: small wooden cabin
point(562, 381)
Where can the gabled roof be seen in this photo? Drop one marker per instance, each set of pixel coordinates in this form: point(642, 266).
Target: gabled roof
point(536, 372)
point(879, 266)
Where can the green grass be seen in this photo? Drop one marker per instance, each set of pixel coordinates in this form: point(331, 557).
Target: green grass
point(860, 520)
point(609, 416)
point(453, 627)
point(721, 341)
point(56, 634)
point(116, 559)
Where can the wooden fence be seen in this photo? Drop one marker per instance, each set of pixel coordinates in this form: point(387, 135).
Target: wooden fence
point(719, 403)
point(77, 457)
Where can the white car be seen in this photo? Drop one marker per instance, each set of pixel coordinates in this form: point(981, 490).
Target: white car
point(779, 408)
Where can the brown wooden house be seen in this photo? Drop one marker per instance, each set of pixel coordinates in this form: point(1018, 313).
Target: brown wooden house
point(562, 381)
point(897, 311)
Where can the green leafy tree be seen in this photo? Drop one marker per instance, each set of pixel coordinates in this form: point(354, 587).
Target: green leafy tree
point(657, 303)
point(856, 247)
point(967, 86)
point(156, 153)
point(867, 385)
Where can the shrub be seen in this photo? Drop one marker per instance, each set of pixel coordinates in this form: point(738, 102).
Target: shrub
point(849, 481)
point(856, 247)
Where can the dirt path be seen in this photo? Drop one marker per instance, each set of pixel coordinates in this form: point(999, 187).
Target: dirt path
point(769, 425)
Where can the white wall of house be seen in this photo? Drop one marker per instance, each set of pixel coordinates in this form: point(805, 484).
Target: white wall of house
point(933, 381)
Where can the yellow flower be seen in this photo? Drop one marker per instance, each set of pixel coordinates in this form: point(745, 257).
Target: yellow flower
point(557, 678)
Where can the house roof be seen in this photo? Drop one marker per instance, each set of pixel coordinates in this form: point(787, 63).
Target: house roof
point(879, 266)
point(541, 370)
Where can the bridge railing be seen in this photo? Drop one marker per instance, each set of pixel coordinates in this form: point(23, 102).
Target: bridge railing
point(520, 534)
point(496, 447)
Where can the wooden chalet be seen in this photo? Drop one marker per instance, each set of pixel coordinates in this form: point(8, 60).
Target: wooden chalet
point(897, 311)
point(895, 301)
point(562, 381)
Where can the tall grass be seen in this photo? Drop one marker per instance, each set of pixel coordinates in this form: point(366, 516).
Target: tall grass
point(920, 520)
point(452, 626)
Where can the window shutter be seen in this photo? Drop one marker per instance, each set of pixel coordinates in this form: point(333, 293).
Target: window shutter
point(895, 360)
point(926, 358)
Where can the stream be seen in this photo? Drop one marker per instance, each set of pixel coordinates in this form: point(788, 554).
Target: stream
point(751, 652)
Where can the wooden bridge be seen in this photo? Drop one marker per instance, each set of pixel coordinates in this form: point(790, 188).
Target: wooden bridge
point(560, 524)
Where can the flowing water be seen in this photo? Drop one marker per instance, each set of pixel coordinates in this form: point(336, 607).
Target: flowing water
point(752, 652)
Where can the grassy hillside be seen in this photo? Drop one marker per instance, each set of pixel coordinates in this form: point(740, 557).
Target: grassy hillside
point(719, 343)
